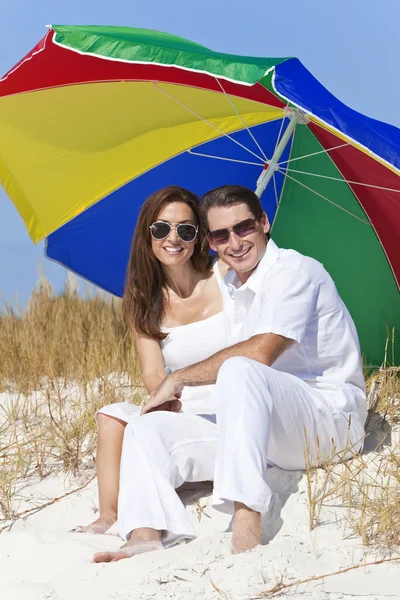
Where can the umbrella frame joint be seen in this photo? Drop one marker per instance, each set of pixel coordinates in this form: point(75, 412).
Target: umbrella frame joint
point(295, 117)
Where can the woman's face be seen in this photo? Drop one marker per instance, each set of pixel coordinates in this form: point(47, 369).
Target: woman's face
point(172, 251)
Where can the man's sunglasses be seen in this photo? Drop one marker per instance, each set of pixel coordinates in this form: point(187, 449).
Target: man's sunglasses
point(185, 231)
point(221, 236)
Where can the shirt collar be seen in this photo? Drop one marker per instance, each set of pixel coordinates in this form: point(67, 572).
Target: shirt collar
point(254, 282)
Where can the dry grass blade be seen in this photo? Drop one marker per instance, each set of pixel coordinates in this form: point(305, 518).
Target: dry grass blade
point(219, 591)
point(280, 586)
point(200, 510)
point(384, 395)
point(34, 509)
point(321, 478)
point(373, 502)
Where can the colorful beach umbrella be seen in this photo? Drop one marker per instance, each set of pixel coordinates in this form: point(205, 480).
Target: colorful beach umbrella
point(94, 119)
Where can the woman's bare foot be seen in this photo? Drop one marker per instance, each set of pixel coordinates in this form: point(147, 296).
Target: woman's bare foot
point(246, 529)
point(100, 525)
point(141, 540)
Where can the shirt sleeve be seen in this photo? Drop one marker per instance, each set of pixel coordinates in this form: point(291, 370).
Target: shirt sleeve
point(288, 301)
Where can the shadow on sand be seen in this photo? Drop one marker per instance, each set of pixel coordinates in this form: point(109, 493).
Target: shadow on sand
point(378, 434)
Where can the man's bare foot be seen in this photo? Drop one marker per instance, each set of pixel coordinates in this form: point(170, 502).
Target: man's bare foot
point(246, 529)
point(141, 540)
point(100, 525)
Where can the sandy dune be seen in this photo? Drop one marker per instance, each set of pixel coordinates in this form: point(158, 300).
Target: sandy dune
point(40, 559)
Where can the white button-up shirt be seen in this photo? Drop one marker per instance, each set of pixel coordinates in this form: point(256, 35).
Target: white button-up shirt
point(293, 295)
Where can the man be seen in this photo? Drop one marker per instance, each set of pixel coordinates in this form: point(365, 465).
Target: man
point(291, 382)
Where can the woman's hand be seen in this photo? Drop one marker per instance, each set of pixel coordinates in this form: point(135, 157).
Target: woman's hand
point(165, 396)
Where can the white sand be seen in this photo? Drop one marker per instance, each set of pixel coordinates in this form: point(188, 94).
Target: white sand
point(41, 560)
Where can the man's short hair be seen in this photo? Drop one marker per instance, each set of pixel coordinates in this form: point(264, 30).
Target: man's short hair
point(231, 195)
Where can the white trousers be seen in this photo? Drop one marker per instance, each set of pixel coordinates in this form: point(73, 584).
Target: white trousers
point(262, 417)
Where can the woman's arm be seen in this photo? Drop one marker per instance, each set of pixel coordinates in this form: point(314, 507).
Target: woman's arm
point(151, 361)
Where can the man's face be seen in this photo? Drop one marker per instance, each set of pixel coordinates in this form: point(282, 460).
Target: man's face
point(241, 253)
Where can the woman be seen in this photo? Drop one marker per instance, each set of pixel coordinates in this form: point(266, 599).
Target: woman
point(173, 304)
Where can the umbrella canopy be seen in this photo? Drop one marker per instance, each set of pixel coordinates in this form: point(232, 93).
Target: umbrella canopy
point(94, 119)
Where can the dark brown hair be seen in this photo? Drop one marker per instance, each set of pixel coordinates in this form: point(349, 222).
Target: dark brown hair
point(144, 301)
point(231, 195)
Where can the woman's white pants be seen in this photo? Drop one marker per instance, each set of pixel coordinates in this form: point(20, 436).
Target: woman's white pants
point(263, 417)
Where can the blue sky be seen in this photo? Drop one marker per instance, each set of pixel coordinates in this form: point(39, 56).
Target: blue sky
point(351, 46)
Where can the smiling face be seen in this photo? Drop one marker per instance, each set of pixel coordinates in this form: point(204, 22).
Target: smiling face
point(241, 253)
point(172, 251)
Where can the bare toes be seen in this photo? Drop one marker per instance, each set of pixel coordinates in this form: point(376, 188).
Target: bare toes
point(120, 555)
point(127, 551)
point(79, 529)
point(100, 557)
point(99, 526)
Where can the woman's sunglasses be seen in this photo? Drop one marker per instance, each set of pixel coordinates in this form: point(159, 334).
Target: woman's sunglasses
point(221, 236)
point(185, 231)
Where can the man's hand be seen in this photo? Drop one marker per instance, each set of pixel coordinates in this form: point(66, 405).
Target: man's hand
point(165, 396)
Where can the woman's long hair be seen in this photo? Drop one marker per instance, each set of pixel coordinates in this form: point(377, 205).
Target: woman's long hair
point(144, 300)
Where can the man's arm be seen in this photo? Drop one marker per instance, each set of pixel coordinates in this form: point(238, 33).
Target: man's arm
point(264, 348)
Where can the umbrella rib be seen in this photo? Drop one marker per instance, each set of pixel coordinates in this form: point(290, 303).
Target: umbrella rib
point(323, 151)
point(275, 190)
point(241, 118)
point(208, 122)
point(370, 185)
point(281, 127)
point(324, 198)
point(243, 162)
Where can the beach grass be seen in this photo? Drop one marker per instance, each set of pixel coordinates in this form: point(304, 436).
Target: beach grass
point(62, 358)
point(63, 337)
point(366, 485)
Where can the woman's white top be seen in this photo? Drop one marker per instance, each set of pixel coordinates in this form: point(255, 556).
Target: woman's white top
point(186, 345)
